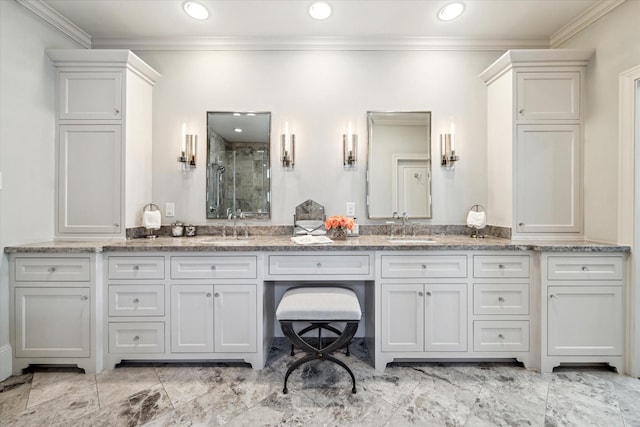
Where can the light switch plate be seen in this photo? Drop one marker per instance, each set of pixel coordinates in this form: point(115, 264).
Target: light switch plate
point(170, 209)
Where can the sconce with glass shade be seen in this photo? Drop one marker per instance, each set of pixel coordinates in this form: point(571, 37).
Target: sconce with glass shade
point(448, 148)
point(188, 152)
point(349, 147)
point(287, 147)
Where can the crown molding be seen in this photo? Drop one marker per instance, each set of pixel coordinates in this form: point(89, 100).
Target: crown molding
point(583, 21)
point(314, 43)
point(54, 18)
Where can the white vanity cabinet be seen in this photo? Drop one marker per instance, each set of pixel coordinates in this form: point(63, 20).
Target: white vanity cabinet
point(104, 122)
point(582, 309)
point(54, 311)
point(535, 104)
point(179, 307)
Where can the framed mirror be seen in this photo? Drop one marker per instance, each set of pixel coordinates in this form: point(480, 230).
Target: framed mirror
point(238, 164)
point(399, 164)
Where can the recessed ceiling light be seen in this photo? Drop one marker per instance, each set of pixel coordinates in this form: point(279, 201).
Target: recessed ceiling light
point(320, 10)
point(451, 11)
point(195, 10)
point(238, 130)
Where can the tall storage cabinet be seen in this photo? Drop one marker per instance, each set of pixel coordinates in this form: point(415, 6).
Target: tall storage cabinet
point(535, 110)
point(104, 105)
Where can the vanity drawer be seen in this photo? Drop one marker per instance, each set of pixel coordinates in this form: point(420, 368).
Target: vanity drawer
point(136, 267)
point(424, 266)
point(319, 265)
point(136, 337)
point(500, 266)
point(500, 298)
point(501, 335)
point(214, 267)
point(52, 269)
point(133, 300)
point(585, 268)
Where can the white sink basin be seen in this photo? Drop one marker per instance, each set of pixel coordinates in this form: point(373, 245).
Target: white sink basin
point(411, 241)
point(226, 242)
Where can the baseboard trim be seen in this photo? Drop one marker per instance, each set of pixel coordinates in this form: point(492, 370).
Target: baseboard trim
point(5, 362)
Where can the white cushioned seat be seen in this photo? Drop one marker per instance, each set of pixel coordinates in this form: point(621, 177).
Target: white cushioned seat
point(319, 304)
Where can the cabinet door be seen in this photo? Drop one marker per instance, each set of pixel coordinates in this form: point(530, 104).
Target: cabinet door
point(192, 318)
point(235, 319)
point(445, 317)
point(90, 96)
point(52, 322)
point(548, 96)
point(402, 317)
point(547, 179)
point(584, 321)
point(89, 179)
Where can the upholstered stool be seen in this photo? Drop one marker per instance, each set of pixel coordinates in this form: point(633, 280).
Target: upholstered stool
point(319, 306)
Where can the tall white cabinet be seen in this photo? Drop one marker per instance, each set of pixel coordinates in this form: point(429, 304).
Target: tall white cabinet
point(104, 122)
point(535, 111)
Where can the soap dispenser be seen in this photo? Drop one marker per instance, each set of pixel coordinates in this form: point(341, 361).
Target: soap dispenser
point(356, 228)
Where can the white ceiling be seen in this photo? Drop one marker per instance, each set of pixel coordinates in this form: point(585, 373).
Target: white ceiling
point(161, 24)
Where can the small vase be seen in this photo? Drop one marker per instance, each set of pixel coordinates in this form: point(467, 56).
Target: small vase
point(339, 233)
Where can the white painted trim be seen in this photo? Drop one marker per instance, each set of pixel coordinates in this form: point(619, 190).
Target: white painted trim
point(580, 23)
point(5, 362)
point(54, 18)
point(629, 203)
point(316, 43)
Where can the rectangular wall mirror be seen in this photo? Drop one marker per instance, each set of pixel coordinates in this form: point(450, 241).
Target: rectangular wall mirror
point(238, 164)
point(399, 164)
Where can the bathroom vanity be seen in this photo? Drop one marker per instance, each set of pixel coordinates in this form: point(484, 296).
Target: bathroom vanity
point(94, 304)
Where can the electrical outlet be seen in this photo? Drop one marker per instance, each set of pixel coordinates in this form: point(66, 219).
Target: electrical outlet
point(170, 209)
point(351, 209)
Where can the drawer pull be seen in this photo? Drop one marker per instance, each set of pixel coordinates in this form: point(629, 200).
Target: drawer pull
point(501, 336)
point(424, 266)
point(521, 224)
point(136, 300)
point(136, 267)
point(500, 299)
point(213, 268)
point(216, 295)
point(319, 265)
point(585, 268)
point(208, 294)
point(52, 269)
point(136, 338)
point(501, 266)
point(428, 294)
point(84, 298)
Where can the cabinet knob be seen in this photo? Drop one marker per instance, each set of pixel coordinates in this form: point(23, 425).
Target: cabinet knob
point(552, 296)
point(501, 336)
point(428, 294)
point(424, 266)
point(420, 294)
point(84, 298)
point(52, 269)
point(208, 294)
point(501, 266)
point(116, 225)
point(521, 111)
point(116, 111)
point(136, 267)
point(319, 265)
point(213, 268)
point(216, 295)
point(136, 338)
point(585, 268)
point(136, 300)
point(500, 299)
point(521, 224)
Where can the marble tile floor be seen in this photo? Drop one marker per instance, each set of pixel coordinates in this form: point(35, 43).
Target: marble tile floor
point(423, 394)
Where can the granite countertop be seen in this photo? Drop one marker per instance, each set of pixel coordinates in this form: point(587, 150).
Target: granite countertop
point(283, 243)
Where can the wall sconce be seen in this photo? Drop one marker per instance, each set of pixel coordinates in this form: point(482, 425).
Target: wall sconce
point(188, 152)
point(288, 147)
point(349, 148)
point(448, 149)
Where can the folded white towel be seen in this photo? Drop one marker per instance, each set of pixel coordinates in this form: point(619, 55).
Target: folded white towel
point(311, 240)
point(152, 220)
point(477, 219)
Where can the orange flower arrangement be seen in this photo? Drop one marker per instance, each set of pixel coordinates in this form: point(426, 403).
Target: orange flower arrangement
point(338, 221)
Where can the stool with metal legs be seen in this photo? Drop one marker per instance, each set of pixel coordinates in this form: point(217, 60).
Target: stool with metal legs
point(320, 307)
